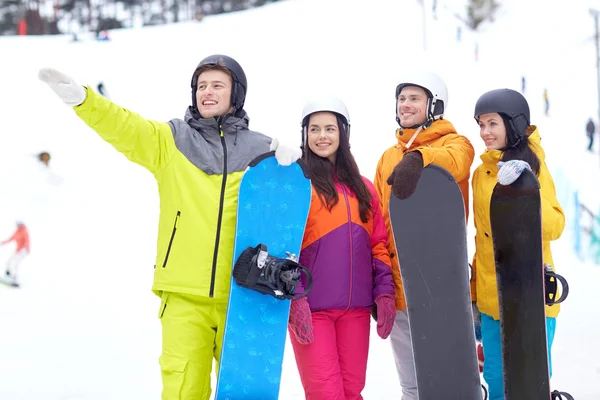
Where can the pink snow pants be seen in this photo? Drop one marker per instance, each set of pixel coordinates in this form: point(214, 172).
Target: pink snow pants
point(334, 365)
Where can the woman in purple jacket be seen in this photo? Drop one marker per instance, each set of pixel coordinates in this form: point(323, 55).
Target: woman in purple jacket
point(344, 247)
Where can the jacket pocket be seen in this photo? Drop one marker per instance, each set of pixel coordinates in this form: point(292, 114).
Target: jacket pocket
point(173, 371)
point(171, 239)
point(308, 258)
point(163, 304)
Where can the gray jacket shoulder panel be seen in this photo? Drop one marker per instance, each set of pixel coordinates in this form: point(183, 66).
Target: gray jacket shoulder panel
point(200, 142)
point(246, 147)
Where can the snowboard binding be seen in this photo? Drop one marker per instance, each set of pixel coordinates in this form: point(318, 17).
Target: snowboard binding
point(256, 269)
point(471, 273)
point(551, 280)
point(556, 395)
point(485, 394)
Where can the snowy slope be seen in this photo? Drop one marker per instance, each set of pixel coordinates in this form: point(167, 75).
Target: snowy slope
point(84, 324)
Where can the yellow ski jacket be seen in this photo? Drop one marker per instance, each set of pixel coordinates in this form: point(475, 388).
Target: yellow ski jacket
point(198, 165)
point(553, 224)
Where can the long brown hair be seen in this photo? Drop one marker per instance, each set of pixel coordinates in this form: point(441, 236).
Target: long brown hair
point(323, 174)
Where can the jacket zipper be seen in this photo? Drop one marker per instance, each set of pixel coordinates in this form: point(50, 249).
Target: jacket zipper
point(172, 237)
point(350, 239)
point(220, 215)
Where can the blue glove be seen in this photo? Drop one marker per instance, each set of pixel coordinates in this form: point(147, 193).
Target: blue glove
point(511, 170)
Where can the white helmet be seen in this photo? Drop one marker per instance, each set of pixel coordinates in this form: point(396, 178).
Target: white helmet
point(436, 90)
point(333, 105)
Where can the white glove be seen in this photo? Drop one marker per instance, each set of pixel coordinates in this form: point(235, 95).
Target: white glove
point(285, 155)
point(64, 86)
point(511, 170)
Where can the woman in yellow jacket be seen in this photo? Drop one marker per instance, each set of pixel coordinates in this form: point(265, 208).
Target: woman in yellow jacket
point(512, 145)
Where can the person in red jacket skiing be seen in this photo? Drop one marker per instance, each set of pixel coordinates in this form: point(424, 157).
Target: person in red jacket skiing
point(22, 249)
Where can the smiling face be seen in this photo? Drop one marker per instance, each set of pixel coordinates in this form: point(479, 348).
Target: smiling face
point(213, 93)
point(324, 135)
point(412, 106)
point(492, 131)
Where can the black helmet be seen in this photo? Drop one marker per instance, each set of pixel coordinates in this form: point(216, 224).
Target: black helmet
point(238, 77)
point(511, 105)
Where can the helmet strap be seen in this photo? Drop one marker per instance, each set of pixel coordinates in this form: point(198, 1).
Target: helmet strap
point(518, 136)
point(414, 136)
point(304, 136)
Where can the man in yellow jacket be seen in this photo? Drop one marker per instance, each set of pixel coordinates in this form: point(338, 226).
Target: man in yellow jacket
point(424, 138)
point(198, 163)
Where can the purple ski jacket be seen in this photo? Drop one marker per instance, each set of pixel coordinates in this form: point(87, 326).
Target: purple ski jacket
point(348, 259)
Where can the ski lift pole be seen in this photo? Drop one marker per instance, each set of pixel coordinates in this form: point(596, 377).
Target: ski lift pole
point(595, 14)
point(424, 16)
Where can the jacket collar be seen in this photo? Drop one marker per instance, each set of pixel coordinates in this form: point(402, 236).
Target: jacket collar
point(437, 129)
point(491, 157)
point(231, 125)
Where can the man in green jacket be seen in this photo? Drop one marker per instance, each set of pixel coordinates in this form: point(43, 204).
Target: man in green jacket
point(198, 163)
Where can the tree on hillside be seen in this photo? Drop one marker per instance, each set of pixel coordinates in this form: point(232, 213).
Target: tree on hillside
point(479, 11)
point(41, 17)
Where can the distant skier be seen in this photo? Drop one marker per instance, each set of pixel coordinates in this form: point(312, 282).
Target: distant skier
point(546, 102)
point(103, 36)
point(591, 130)
point(102, 89)
point(44, 171)
point(44, 158)
point(21, 238)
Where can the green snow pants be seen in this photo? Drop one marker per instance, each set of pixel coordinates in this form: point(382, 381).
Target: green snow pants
point(192, 334)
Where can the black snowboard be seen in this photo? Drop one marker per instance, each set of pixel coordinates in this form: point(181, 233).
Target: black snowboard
point(430, 233)
point(516, 220)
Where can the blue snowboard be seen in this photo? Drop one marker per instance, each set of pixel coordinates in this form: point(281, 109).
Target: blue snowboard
point(272, 210)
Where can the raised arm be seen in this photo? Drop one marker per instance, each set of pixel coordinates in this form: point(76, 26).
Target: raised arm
point(145, 142)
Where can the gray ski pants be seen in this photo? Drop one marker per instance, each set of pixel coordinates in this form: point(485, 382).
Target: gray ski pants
point(403, 354)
